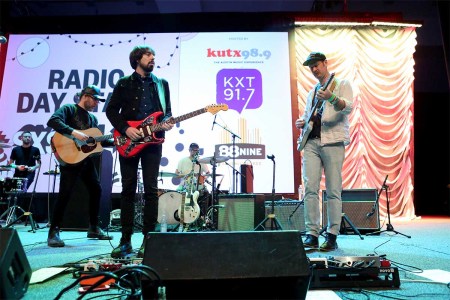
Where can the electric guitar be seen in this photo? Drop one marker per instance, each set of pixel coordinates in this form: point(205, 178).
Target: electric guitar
point(189, 210)
point(69, 150)
point(307, 128)
point(149, 126)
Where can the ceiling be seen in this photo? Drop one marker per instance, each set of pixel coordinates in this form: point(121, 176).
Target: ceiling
point(20, 8)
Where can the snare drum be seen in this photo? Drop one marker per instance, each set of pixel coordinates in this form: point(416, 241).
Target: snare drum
point(168, 204)
point(15, 185)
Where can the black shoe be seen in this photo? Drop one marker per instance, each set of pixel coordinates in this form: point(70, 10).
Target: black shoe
point(123, 249)
point(98, 233)
point(53, 239)
point(141, 250)
point(311, 241)
point(330, 243)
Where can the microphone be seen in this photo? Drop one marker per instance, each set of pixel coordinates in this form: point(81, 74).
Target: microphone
point(370, 214)
point(271, 157)
point(214, 122)
point(3, 39)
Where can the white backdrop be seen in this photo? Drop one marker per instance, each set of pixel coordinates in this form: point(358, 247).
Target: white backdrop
point(247, 71)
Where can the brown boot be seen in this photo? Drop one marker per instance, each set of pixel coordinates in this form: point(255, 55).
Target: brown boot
point(330, 243)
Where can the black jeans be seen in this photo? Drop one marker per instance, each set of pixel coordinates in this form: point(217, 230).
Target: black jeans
point(88, 172)
point(150, 158)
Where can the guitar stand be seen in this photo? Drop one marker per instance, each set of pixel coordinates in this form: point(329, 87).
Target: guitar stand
point(344, 229)
point(389, 226)
point(11, 215)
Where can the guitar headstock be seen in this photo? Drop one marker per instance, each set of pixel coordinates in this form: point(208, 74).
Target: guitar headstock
point(215, 108)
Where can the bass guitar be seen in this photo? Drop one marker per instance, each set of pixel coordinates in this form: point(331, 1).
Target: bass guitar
point(70, 151)
point(149, 126)
point(307, 128)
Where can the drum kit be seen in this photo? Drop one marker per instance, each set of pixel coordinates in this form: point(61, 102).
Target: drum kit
point(170, 201)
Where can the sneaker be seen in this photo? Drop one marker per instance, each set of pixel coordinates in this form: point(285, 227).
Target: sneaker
point(330, 243)
point(98, 233)
point(311, 241)
point(53, 239)
point(123, 249)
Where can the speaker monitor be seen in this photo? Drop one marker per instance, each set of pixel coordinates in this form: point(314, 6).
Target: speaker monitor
point(240, 212)
point(227, 265)
point(290, 214)
point(356, 204)
point(15, 271)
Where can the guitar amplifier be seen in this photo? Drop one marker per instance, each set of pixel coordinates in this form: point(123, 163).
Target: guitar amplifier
point(240, 212)
point(289, 213)
point(356, 204)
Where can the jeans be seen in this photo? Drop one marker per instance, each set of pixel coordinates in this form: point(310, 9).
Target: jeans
point(330, 159)
point(150, 158)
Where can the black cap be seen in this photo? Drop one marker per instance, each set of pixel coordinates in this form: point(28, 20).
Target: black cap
point(314, 57)
point(194, 145)
point(92, 90)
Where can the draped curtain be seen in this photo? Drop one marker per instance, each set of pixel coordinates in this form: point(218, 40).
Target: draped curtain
point(379, 63)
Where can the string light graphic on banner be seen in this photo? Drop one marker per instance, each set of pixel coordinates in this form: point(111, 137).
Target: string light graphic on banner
point(103, 44)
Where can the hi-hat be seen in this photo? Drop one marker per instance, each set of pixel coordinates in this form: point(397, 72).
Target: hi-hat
point(4, 145)
point(210, 159)
point(167, 174)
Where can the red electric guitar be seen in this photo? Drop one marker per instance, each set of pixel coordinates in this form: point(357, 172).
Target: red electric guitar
point(149, 126)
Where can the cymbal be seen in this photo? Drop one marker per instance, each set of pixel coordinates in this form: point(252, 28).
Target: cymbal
point(4, 145)
point(209, 159)
point(167, 174)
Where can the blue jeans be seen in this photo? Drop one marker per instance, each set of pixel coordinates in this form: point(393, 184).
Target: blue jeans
point(330, 159)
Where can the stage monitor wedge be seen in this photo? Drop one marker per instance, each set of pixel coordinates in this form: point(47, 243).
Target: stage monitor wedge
point(228, 265)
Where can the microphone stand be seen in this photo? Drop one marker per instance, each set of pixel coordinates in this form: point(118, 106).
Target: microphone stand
point(274, 223)
point(389, 226)
point(235, 171)
point(36, 225)
point(234, 136)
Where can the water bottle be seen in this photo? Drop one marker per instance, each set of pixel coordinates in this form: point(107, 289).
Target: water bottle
point(163, 223)
point(301, 192)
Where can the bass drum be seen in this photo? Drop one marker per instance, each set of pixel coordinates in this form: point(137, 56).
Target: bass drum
point(168, 204)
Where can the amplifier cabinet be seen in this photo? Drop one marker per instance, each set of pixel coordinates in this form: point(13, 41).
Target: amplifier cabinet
point(240, 212)
point(290, 214)
point(356, 204)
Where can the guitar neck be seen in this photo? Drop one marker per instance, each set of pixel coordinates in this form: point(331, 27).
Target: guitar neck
point(103, 138)
point(158, 127)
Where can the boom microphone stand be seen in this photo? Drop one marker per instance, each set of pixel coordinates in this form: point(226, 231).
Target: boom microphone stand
point(389, 226)
point(274, 223)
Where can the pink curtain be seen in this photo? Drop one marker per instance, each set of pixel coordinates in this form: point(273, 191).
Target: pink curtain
point(379, 62)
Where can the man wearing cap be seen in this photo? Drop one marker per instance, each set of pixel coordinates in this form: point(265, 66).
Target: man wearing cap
point(135, 97)
point(71, 120)
point(324, 150)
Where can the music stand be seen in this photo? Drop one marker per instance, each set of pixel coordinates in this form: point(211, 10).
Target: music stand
point(389, 227)
point(274, 223)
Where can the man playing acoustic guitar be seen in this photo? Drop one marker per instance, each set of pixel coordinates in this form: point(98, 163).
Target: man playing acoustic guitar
point(136, 97)
point(72, 121)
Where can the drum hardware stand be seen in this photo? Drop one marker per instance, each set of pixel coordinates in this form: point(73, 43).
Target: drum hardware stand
point(274, 223)
point(11, 212)
point(389, 226)
point(233, 136)
point(140, 202)
point(55, 173)
point(31, 201)
point(235, 172)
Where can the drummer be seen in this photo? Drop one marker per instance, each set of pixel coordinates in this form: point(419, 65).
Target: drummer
point(189, 175)
point(25, 159)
